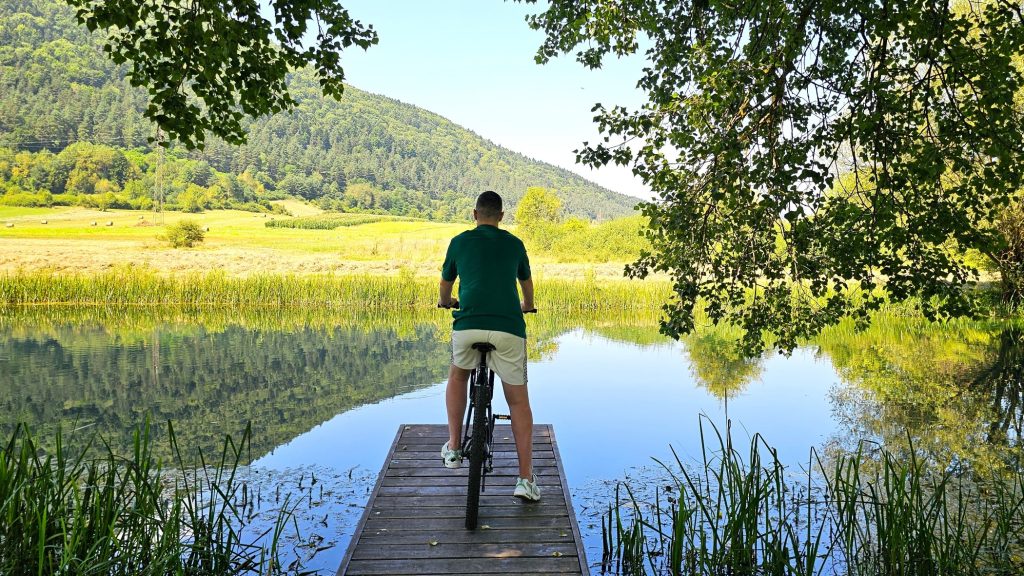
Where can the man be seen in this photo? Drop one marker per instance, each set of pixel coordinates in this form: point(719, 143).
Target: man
point(489, 261)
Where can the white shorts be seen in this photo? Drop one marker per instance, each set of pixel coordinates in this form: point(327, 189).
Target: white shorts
point(508, 359)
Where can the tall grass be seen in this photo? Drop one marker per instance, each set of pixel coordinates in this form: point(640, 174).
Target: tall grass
point(99, 513)
point(137, 286)
point(869, 513)
point(330, 221)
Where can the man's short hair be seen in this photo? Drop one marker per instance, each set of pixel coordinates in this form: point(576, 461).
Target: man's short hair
point(488, 204)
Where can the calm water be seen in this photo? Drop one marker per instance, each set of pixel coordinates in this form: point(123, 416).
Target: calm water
point(326, 395)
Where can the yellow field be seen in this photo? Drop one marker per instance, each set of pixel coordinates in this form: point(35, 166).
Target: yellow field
point(237, 243)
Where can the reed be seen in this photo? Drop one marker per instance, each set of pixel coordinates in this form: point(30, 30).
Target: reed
point(869, 513)
point(99, 513)
point(330, 221)
point(132, 286)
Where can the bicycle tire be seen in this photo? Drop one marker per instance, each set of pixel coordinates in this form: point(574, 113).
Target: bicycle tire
point(477, 451)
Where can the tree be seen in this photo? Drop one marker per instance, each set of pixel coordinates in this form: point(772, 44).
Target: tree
point(208, 65)
point(185, 234)
point(755, 106)
point(537, 217)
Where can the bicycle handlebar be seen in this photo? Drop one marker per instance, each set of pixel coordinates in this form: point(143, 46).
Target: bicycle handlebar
point(455, 306)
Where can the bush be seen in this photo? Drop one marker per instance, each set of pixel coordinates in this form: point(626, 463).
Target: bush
point(186, 233)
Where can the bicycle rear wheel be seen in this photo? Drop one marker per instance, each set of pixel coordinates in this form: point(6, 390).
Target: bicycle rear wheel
point(477, 448)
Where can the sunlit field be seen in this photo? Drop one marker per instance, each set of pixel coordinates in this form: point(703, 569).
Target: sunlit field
point(74, 239)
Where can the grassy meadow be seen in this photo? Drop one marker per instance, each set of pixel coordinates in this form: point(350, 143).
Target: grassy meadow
point(241, 244)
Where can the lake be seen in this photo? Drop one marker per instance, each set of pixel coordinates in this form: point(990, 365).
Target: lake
point(326, 393)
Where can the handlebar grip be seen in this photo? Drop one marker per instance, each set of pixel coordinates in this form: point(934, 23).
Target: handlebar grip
point(453, 305)
point(530, 311)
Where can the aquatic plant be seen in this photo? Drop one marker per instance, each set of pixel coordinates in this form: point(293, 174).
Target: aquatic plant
point(132, 286)
point(95, 512)
point(872, 512)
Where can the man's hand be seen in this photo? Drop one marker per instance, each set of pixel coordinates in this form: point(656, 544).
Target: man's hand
point(444, 296)
point(527, 304)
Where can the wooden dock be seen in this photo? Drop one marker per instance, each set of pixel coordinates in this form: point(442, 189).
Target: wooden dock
point(414, 521)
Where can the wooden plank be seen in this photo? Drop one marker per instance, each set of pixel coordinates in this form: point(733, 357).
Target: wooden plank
point(435, 471)
point(398, 567)
point(438, 549)
point(495, 481)
point(414, 522)
point(457, 512)
point(463, 535)
point(433, 458)
point(498, 463)
point(441, 431)
point(486, 499)
point(517, 523)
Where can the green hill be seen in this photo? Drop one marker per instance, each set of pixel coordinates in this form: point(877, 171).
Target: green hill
point(366, 152)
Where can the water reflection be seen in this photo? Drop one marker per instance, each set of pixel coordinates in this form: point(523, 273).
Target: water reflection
point(326, 392)
point(954, 391)
point(91, 379)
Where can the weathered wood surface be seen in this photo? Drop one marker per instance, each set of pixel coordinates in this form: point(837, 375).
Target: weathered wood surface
point(414, 521)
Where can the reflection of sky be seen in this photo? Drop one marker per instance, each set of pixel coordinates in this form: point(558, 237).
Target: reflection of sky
point(613, 407)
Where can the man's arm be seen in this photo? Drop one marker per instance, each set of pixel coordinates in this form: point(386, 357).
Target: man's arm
point(444, 299)
point(527, 286)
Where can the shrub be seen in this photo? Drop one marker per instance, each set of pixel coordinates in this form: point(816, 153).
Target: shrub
point(186, 233)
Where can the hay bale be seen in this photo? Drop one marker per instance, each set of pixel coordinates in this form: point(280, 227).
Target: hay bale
point(93, 223)
point(44, 221)
point(10, 224)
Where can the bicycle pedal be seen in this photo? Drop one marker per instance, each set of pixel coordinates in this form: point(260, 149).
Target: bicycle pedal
point(502, 417)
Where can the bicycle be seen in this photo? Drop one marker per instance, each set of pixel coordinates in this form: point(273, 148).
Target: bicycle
point(477, 442)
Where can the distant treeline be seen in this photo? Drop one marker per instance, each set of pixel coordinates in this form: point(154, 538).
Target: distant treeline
point(98, 176)
point(367, 153)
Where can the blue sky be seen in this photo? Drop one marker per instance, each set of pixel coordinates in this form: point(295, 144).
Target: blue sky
point(471, 61)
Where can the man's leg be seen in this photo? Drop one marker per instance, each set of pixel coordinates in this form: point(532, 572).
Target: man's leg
point(518, 399)
point(455, 400)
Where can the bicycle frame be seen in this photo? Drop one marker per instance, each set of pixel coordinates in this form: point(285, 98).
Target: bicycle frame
point(486, 388)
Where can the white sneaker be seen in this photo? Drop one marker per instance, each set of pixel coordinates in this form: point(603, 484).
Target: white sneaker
point(451, 458)
point(527, 489)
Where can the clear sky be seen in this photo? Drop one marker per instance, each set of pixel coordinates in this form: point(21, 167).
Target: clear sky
point(471, 61)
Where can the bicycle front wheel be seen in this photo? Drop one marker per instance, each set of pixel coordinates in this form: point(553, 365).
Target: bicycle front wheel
point(477, 451)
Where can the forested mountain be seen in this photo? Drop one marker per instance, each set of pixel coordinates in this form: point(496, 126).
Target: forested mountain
point(366, 152)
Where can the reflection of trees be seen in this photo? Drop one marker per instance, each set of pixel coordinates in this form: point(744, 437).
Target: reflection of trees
point(209, 383)
point(1003, 381)
point(955, 389)
point(209, 371)
point(716, 363)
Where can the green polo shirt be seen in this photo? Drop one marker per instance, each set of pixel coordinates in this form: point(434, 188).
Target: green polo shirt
point(488, 260)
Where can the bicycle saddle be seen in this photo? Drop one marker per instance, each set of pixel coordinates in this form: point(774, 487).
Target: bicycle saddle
point(483, 346)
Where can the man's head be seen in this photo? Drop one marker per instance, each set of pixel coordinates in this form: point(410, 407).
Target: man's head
point(488, 208)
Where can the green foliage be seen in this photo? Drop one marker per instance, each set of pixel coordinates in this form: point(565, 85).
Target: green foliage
point(576, 240)
point(230, 58)
point(59, 89)
point(538, 206)
point(98, 176)
point(1008, 252)
point(185, 234)
point(753, 108)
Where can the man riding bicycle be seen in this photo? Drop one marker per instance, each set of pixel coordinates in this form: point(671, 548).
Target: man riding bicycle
point(488, 261)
